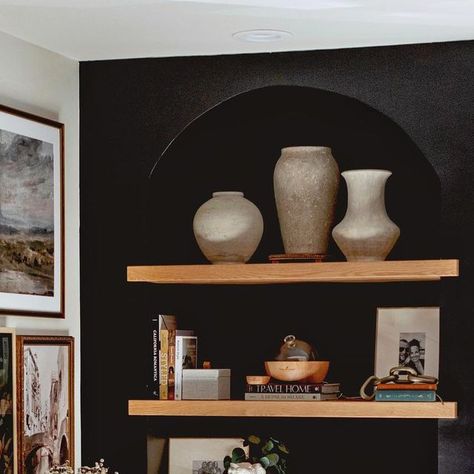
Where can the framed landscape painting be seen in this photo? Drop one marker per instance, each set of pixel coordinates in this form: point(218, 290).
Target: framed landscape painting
point(31, 215)
point(8, 438)
point(45, 368)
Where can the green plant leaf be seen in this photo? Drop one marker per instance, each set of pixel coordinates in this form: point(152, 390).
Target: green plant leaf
point(273, 459)
point(238, 455)
point(283, 448)
point(254, 439)
point(265, 462)
point(227, 461)
point(267, 448)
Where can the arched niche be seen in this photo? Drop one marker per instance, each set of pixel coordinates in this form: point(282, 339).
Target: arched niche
point(235, 145)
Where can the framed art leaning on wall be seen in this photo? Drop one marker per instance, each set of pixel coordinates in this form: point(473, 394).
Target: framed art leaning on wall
point(45, 380)
point(407, 337)
point(31, 214)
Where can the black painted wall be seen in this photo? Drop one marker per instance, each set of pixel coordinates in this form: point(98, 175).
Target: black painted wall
point(130, 111)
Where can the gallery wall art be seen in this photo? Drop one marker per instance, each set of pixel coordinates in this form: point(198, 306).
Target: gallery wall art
point(31, 214)
point(45, 375)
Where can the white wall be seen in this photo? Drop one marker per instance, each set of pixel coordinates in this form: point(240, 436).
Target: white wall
point(38, 81)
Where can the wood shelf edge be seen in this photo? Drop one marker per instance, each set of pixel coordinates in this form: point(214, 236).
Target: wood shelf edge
point(270, 273)
point(323, 409)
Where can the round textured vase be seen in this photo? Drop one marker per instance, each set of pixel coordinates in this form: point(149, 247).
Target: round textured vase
point(228, 228)
point(306, 180)
point(366, 233)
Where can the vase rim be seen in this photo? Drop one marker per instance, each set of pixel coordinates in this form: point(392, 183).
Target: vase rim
point(227, 193)
point(368, 170)
point(305, 148)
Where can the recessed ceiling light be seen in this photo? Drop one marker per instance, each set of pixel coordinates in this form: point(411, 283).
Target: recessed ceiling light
point(262, 36)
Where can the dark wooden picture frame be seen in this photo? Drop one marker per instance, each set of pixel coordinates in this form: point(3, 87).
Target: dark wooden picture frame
point(8, 394)
point(31, 214)
point(45, 400)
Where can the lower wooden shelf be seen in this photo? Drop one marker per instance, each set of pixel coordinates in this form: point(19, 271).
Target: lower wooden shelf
point(310, 409)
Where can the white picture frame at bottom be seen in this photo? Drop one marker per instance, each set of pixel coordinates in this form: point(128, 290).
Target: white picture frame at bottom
point(407, 337)
point(200, 455)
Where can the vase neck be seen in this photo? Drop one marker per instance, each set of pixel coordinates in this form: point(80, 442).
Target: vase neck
point(227, 193)
point(366, 191)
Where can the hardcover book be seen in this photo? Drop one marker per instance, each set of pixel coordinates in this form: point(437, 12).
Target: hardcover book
point(405, 396)
point(274, 387)
point(185, 358)
point(291, 396)
point(407, 386)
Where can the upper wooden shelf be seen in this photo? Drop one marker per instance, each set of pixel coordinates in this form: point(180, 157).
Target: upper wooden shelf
point(308, 409)
point(272, 273)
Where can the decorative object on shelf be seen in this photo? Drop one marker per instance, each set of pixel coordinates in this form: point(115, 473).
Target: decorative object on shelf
point(295, 349)
point(257, 379)
point(407, 337)
point(47, 362)
point(297, 257)
point(311, 371)
point(246, 468)
point(366, 233)
point(98, 468)
point(65, 468)
point(31, 214)
point(228, 228)
point(8, 404)
point(203, 455)
point(407, 378)
point(258, 453)
point(306, 181)
point(206, 384)
point(296, 362)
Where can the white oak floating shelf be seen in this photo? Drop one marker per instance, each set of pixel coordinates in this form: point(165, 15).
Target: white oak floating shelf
point(308, 409)
point(273, 273)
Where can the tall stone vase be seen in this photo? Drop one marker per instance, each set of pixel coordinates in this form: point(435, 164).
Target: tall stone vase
point(306, 181)
point(366, 233)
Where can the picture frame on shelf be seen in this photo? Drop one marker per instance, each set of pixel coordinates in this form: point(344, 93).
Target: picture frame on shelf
point(200, 455)
point(8, 406)
point(45, 400)
point(407, 337)
point(31, 214)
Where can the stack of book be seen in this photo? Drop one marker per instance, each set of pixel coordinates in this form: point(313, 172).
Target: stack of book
point(406, 392)
point(292, 391)
point(172, 350)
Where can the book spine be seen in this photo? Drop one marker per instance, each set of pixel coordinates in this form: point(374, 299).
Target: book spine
point(186, 357)
point(412, 386)
point(155, 358)
point(164, 364)
point(290, 396)
point(282, 388)
point(179, 369)
point(405, 396)
point(171, 364)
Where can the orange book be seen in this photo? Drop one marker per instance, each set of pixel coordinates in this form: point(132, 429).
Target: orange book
point(407, 386)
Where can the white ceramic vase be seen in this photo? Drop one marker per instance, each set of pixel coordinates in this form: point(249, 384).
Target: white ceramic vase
point(228, 228)
point(366, 233)
point(306, 181)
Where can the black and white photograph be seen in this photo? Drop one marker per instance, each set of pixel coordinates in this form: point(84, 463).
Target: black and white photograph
point(412, 351)
point(200, 455)
point(46, 433)
point(31, 234)
point(208, 467)
point(407, 337)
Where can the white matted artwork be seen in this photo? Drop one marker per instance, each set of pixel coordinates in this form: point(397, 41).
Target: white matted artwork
point(200, 455)
point(407, 337)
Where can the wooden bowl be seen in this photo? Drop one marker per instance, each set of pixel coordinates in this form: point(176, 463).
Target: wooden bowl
point(311, 371)
point(257, 379)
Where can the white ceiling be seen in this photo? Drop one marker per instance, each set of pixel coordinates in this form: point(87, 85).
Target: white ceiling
point(112, 29)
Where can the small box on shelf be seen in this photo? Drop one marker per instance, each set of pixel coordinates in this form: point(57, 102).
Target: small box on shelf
point(206, 384)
